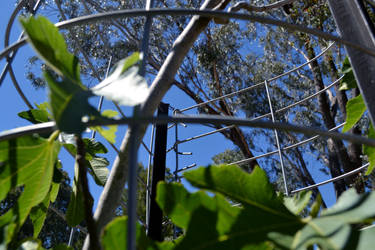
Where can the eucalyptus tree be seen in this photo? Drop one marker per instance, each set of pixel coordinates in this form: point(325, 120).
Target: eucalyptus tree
point(229, 57)
point(213, 77)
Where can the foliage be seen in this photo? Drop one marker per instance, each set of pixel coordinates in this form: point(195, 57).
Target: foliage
point(257, 220)
point(244, 211)
point(30, 162)
point(356, 108)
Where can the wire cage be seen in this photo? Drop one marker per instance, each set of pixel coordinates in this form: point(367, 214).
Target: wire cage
point(272, 120)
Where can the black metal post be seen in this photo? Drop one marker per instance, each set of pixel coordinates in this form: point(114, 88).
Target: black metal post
point(158, 174)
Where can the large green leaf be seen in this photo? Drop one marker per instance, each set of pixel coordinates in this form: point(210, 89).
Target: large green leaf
point(252, 189)
point(370, 151)
point(355, 108)
point(47, 41)
point(29, 162)
point(333, 229)
point(213, 223)
point(124, 86)
point(38, 213)
point(68, 93)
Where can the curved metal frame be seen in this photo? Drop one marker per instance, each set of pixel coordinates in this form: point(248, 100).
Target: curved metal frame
point(10, 52)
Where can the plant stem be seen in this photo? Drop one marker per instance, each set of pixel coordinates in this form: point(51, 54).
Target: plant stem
point(87, 198)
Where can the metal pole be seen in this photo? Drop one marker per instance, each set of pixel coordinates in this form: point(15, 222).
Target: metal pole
point(149, 177)
point(352, 25)
point(71, 236)
point(158, 174)
point(132, 183)
point(133, 154)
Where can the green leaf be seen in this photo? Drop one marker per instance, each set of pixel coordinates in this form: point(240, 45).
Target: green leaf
point(252, 189)
point(333, 228)
point(99, 170)
point(108, 132)
point(97, 165)
point(50, 45)
point(213, 223)
point(179, 204)
point(370, 151)
point(115, 233)
point(298, 202)
point(124, 86)
point(29, 162)
point(348, 81)
point(355, 108)
point(366, 239)
point(38, 214)
point(65, 96)
point(92, 148)
point(35, 115)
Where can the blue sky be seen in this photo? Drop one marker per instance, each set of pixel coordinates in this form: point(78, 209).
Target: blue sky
point(202, 149)
point(11, 104)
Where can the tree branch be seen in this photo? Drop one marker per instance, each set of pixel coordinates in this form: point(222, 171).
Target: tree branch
point(111, 194)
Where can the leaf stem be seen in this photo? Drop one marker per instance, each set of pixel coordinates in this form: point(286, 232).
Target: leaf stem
point(53, 136)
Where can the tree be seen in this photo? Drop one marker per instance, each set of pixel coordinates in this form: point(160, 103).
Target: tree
point(66, 88)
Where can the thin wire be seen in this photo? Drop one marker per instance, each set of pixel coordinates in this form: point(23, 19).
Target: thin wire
point(258, 84)
point(8, 67)
point(332, 179)
point(205, 134)
point(208, 13)
point(17, 9)
point(240, 162)
point(202, 119)
point(102, 98)
point(146, 38)
point(277, 139)
point(261, 116)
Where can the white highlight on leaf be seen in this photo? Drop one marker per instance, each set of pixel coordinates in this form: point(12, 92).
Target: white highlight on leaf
point(67, 138)
point(126, 88)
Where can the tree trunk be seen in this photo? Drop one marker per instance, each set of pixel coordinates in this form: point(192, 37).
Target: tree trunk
point(354, 150)
point(336, 149)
